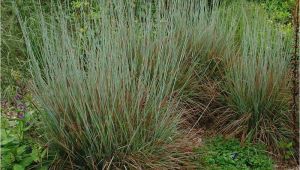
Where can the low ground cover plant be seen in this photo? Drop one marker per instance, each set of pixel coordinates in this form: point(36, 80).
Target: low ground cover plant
point(221, 153)
point(19, 146)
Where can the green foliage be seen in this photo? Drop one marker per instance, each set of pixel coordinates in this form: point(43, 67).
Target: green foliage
point(13, 58)
point(255, 82)
point(279, 13)
point(220, 153)
point(113, 78)
point(287, 148)
point(18, 149)
point(109, 91)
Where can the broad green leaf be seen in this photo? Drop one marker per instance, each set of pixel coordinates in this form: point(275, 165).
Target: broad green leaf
point(5, 150)
point(18, 167)
point(7, 141)
point(21, 149)
point(35, 154)
point(27, 161)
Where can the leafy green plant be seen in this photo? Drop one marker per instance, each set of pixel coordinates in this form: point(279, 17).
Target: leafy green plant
point(219, 153)
point(18, 148)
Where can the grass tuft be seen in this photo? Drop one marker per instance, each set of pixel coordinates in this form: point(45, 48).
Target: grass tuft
point(256, 83)
point(109, 85)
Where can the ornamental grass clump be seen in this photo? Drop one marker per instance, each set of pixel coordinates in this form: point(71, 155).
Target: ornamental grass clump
point(107, 84)
point(211, 44)
point(256, 83)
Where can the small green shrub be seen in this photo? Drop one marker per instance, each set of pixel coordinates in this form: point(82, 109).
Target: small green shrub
point(220, 153)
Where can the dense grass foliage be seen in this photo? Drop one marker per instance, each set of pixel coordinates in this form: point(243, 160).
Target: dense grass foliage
point(246, 83)
point(108, 88)
point(256, 83)
point(120, 82)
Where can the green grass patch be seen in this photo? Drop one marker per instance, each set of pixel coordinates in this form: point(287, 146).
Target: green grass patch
point(108, 84)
